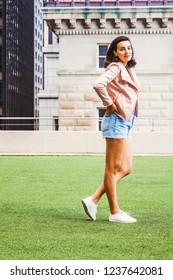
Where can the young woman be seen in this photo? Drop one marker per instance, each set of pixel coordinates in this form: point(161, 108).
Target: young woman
point(118, 88)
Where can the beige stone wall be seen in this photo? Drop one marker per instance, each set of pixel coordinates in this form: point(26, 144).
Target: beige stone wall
point(151, 32)
point(154, 69)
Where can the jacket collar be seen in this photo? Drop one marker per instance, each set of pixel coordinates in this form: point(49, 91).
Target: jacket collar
point(129, 76)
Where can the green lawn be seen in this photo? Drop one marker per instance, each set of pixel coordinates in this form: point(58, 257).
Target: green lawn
point(41, 215)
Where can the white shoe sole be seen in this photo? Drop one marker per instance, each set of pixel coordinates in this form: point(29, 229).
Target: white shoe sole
point(123, 222)
point(86, 210)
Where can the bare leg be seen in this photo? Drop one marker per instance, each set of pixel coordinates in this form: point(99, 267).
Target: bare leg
point(114, 156)
point(124, 170)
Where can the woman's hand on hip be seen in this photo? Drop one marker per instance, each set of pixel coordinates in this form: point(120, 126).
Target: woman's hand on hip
point(111, 109)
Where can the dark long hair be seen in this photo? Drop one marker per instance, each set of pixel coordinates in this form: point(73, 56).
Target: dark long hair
point(110, 57)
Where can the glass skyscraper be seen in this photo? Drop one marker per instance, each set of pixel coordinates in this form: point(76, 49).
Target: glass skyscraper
point(17, 63)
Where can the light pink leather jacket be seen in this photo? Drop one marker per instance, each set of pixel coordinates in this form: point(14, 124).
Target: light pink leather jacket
point(119, 85)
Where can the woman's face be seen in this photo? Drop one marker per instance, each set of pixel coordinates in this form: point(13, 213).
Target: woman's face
point(124, 52)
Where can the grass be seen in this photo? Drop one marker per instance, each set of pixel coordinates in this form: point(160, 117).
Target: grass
point(42, 216)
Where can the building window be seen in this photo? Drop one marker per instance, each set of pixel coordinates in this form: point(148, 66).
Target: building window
point(56, 123)
point(50, 37)
point(102, 49)
point(101, 112)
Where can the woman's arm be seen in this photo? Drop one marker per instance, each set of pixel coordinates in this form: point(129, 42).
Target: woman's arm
point(100, 85)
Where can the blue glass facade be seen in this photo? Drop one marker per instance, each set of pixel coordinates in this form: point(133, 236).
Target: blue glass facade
point(17, 90)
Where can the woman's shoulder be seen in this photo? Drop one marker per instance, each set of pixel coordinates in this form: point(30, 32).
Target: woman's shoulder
point(114, 66)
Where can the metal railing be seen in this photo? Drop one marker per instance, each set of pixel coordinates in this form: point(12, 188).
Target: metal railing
point(147, 123)
point(80, 3)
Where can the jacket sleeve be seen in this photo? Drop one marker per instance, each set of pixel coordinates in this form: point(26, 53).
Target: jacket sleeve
point(100, 85)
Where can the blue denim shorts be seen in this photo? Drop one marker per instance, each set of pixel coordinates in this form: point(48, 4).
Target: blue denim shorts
point(115, 127)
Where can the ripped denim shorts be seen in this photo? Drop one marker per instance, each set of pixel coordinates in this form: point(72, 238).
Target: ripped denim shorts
point(114, 126)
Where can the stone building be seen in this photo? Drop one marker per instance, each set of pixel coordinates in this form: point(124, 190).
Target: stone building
point(84, 29)
point(49, 96)
point(38, 59)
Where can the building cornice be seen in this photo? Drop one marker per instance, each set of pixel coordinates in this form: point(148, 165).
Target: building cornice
point(113, 32)
point(66, 73)
point(109, 20)
point(87, 3)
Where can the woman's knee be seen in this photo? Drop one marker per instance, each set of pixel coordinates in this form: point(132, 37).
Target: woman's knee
point(113, 168)
point(126, 170)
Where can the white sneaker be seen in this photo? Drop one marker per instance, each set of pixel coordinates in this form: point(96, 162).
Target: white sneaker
point(122, 217)
point(90, 207)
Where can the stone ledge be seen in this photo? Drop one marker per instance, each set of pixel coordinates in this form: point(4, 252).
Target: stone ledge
point(64, 142)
